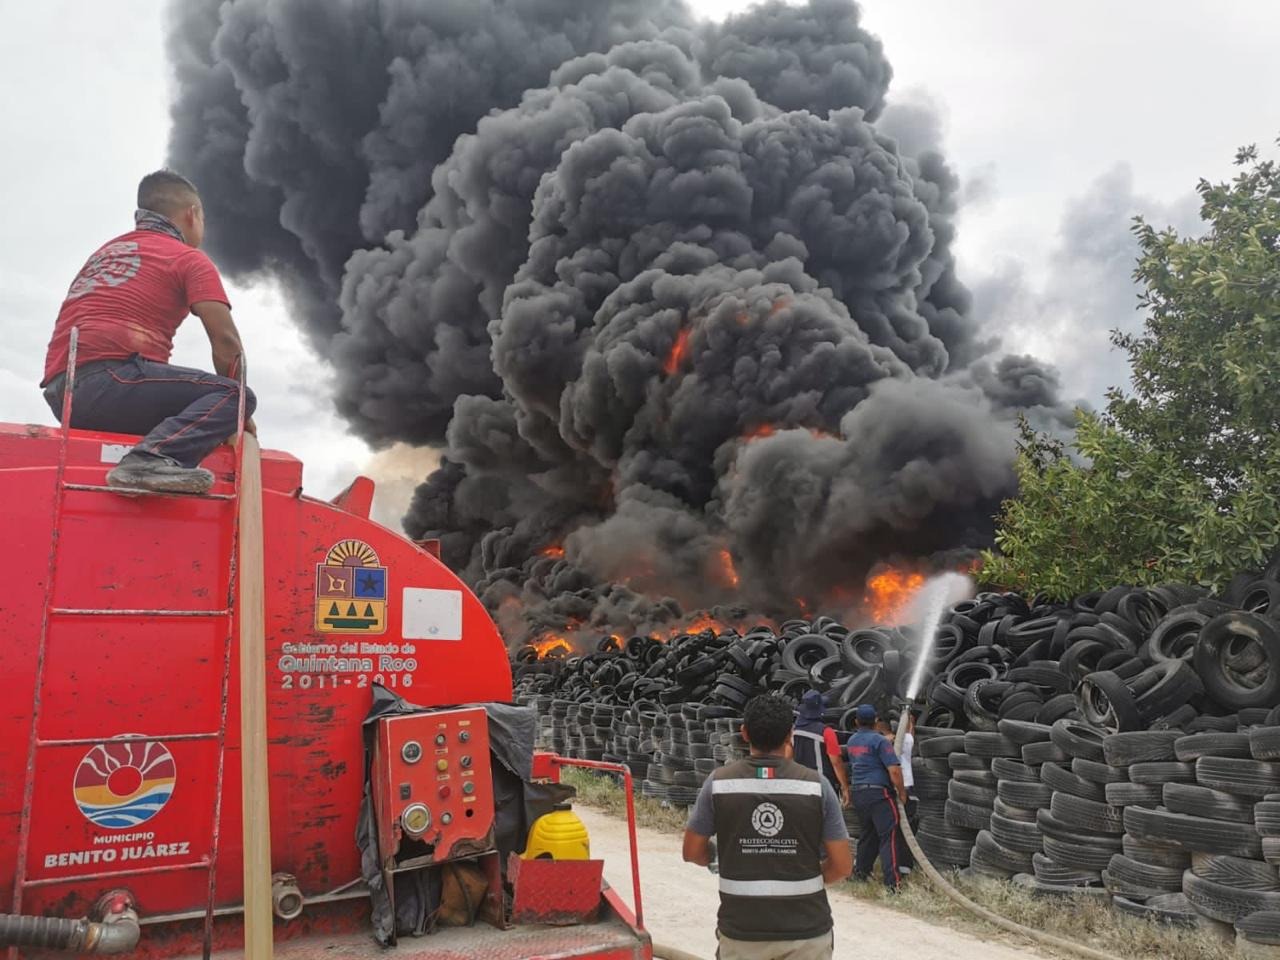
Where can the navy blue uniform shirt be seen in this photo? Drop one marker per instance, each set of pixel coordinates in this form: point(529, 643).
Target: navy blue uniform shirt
point(871, 756)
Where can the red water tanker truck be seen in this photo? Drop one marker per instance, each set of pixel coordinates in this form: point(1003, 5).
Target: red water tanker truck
point(122, 823)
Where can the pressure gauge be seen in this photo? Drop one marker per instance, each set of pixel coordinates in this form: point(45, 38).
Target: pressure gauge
point(416, 819)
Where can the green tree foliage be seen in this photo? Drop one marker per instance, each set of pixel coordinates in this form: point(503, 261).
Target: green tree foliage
point(1180, 478)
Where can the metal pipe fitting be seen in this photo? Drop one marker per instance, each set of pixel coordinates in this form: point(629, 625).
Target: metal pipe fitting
point(286, 898)
point(117, 932)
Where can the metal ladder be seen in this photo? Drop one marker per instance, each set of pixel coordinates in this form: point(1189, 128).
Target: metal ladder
point(50, 613)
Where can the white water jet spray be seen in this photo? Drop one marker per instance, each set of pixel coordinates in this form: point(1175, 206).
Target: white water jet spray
point(927, 606)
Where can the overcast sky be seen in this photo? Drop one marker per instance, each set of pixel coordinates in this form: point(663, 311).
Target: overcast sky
point(1063, 120)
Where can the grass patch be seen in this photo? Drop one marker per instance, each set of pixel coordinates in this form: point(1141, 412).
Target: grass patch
point(1082, 921)
point(604, 791)
point(1079, 920)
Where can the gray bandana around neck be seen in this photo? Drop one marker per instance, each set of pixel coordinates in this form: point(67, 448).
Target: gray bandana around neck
point(150, 220)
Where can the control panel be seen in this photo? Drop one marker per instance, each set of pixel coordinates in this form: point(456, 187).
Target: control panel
point(432, 787)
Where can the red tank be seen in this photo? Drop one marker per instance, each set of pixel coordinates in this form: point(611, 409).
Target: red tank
point(348, 603)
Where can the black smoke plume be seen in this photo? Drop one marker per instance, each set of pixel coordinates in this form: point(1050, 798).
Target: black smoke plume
point(685, 321)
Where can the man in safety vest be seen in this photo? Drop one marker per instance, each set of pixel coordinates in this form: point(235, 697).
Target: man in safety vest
point(815, 745)
point(781, 838)
point(877, 779)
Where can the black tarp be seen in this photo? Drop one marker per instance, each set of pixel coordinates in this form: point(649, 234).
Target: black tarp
point(518, 803)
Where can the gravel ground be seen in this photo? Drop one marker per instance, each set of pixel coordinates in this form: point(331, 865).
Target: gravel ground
point(680, 902)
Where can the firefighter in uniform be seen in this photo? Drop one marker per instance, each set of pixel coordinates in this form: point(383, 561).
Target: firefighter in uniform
point(814, 744)
point(780, 838)
point(877, 779)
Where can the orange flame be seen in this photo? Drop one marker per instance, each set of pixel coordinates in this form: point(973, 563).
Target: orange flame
point(679, 350)
point(552, 550)
point(888, 593)
point(551, 644)
point(728, 571)
point(769, 429)
point(697, 625)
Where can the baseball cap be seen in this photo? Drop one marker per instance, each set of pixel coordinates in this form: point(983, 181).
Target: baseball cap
point(866, 713)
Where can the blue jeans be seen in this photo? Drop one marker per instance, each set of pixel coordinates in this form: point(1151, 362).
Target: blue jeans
point(182, 414)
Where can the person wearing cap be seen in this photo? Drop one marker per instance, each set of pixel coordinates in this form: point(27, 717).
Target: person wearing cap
point(780, 838)
point(877, 778)
point(815, 744)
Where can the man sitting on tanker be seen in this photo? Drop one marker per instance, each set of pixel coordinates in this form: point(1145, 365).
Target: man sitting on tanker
point(128, 301)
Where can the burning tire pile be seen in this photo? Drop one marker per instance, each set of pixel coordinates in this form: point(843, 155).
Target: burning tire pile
point(1124, 746)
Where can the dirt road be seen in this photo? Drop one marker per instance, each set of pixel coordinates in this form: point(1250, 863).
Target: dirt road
point(680, 903)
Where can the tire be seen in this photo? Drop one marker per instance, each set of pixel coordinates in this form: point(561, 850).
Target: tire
point(941, 746)
point(931, 767)
point(1154, 879)
point(1038, 888)
point(1155, 853)
point(941, 829)
point(967, 816)
point(1134, 794)
point(1102, 773)
point(995, 854)
point(1051, 826)
point(1224, 903)
point(1105, 702)
point(1034, 754)
point(1175, 636)
point(1196, 834)
point(1017, 835)
point(1023, 732)
point(1266, 818)
point(944, 852)
point(1063, 780)
point(1162, 772)
point(1197, 745)
point(1080, 856)
point(1029, 796)
point(1260, 927)
point(1009, 812)
point(1006, 769)
point(1177, 720)
point(983, 744)
point(1208, 724)
point(982, 703)
point(1089, 816)
point(976, 778)
point(1213, 650)
point(962, 761)
point(1167, 687)
point(1245, 778)
point(1264, 743)
point(1077, 740)
point(1144, 746)
point(1057, 708)
point(976, 796)
point(1171, 909)
point(1198, 801)
point(1050, 871)
point(1236, 872)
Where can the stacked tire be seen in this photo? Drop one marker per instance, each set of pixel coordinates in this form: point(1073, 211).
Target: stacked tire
point(948, 845)
point(1210, 788)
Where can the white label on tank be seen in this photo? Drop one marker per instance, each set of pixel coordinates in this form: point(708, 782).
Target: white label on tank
point(114, 452)
point(431, 614)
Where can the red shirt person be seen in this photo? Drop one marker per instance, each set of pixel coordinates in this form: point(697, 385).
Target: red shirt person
point(126, 303)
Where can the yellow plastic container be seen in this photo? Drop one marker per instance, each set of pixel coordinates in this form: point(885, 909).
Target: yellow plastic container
point(558, 835)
